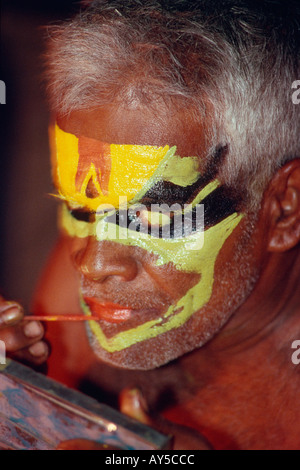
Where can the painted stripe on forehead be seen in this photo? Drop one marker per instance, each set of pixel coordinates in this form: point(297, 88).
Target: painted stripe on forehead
point(112, 169)
point(89, 173)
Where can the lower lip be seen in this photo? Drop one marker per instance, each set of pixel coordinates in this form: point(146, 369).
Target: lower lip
point(112, 313)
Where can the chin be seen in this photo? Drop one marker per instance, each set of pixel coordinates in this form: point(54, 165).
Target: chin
point(152, 353)
point(145, 355)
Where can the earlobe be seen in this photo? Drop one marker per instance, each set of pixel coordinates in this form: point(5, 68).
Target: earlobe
point(283, 199)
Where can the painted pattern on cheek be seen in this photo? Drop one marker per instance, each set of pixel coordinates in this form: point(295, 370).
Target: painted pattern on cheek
point(188, 254)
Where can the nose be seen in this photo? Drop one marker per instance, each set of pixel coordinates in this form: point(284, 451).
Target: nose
point(100, 260)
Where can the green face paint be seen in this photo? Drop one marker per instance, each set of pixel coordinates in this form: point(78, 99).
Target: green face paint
point(181, 171)
point(173, 169)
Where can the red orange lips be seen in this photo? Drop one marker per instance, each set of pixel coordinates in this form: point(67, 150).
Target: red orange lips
point(108, 311)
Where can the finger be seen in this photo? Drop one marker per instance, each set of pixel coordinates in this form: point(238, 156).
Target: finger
point(132, 403)
point(10, 314)
point(22, 335)
point(36, 354)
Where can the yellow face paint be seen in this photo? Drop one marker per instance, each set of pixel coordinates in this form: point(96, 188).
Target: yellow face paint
point(113, 169)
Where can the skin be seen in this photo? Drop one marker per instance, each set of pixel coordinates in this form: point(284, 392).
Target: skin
point(23, 339)
point(226, 391)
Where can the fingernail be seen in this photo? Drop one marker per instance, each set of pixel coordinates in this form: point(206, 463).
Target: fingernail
point(32, 329)
point(11, 315)
point(38, 349)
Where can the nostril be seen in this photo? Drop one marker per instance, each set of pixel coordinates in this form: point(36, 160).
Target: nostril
point(125, 269)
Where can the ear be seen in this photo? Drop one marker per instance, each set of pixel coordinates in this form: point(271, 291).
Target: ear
point(283, 200)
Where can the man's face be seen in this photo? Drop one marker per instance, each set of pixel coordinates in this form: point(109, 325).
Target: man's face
point(159, 291)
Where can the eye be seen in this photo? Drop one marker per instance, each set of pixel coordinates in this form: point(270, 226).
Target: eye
point(156, 221)
point(154, 218)
point(159, 221)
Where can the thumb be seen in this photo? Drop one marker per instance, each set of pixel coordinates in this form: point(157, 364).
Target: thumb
point(133, 404)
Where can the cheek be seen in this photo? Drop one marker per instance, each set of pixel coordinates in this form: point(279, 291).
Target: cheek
point(197, 313)
point(237, 269)
point(187, 275)
point(241, 254)
point(168, 279)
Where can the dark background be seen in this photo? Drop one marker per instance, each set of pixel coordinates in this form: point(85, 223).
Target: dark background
point(28, 214)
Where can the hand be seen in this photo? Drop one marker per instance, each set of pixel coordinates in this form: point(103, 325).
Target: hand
point(133, 404)
point(22, 339)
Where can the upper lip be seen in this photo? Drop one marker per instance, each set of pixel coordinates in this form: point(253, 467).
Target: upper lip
point(108, 311)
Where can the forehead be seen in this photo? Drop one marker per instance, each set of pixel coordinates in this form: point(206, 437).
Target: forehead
point(161, 126)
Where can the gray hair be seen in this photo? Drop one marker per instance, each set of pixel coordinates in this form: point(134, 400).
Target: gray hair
point(234, 59)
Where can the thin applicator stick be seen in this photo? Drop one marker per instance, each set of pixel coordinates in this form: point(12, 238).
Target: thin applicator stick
point(61, 317)
point(110, 312)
